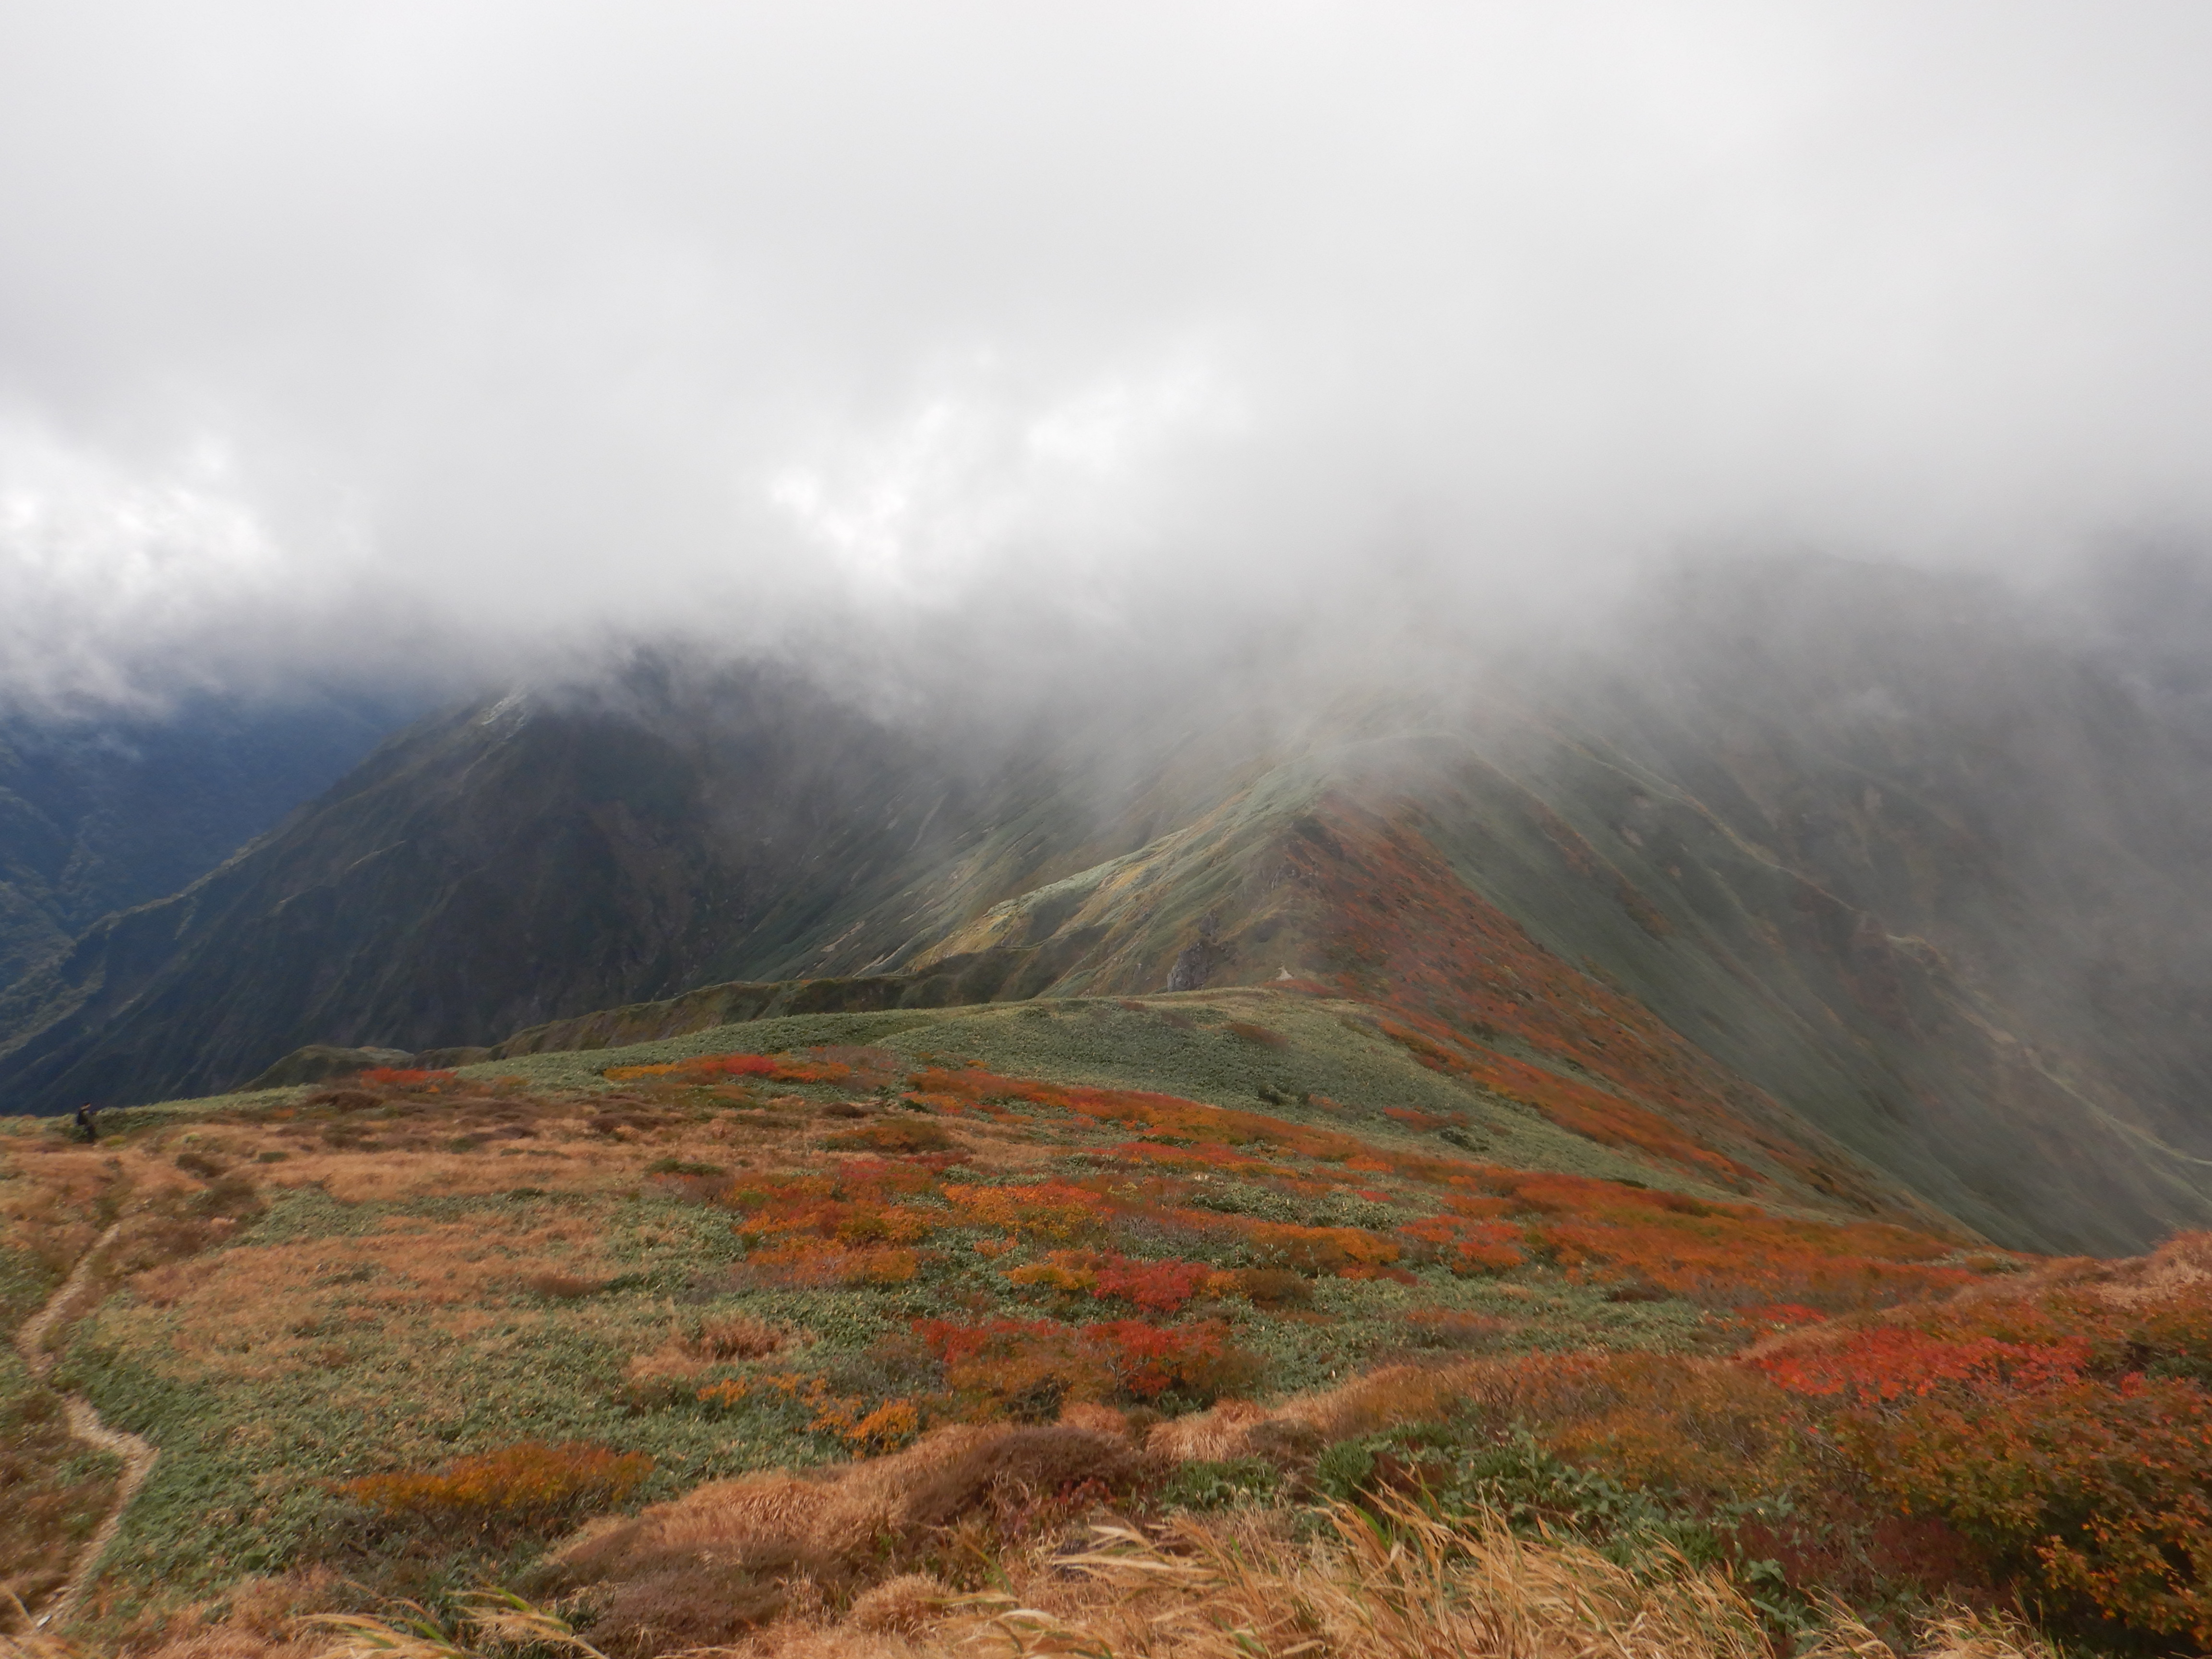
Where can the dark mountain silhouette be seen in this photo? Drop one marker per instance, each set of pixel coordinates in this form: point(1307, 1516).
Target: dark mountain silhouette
point(100, 815)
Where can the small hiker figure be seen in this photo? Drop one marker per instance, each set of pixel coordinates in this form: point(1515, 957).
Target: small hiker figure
point(84, 1123)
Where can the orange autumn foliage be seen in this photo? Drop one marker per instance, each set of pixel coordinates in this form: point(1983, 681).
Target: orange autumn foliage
point(1600, 1117)
point(1005, 1365)
point(2065, 1428)
point(530, 1482)
point(1154, 1286)
point(1893, 1363)
point(1445, 962)
point(880, 1428)
point(1052, 1209)
point(1723, 1254)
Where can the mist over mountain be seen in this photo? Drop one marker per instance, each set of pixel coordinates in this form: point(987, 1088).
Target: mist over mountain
point(1897, 866)
point(967, 504)
point(449, 344)
point(1136, 765)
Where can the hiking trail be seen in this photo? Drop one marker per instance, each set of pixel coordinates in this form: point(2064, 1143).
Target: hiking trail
point(85, 1424)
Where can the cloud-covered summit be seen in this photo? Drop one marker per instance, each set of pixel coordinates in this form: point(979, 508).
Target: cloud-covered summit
point(347, 340)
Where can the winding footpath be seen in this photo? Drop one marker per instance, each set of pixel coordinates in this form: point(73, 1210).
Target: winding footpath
point(84, 1422)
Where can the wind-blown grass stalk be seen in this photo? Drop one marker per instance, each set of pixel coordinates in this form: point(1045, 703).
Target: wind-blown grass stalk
point(1400, 1583)
point(1404, 1584)
point(493, 1618)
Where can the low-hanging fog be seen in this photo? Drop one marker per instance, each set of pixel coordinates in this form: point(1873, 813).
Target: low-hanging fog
point(431, 342)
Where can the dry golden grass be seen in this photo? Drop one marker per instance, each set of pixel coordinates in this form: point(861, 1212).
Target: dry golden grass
point(1957, 1633)
point(48, 1503)
point(688, 1353)
point(1379, 1400)
point(468, 1143)
point(793, 1566)
point(493, 1621)
point(57, 1196)
point(243, 1312)
point(735, 1554)
point(261, 1619)
point(1404, 1585)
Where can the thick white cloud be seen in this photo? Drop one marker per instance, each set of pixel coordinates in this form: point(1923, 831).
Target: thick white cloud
point(403, 333)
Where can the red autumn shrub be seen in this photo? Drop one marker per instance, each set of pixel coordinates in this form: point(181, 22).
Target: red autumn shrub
point(2100, 1494)
point(955, 1343)
point(1467, 1247)
point(1725, 1254)
point(1319, 1249)
point(853, 1206)
point(1157, 1286)
point(1197, 1362)
point(2066, 1433)
point(811, 1262)
point(1015, 1367)
point(1895, 1362)
point(1689, 1425)
point(1025, 1369)
point(1154, 1286)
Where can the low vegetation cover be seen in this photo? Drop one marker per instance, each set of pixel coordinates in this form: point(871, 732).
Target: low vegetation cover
point(834, 1344)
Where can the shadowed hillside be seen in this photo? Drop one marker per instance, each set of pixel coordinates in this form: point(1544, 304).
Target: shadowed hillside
point(100, 815)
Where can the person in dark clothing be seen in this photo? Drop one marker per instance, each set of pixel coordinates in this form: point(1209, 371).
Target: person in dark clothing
point(85, 1125)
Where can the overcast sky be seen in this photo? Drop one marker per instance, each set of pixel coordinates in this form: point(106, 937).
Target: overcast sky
point(393, 334)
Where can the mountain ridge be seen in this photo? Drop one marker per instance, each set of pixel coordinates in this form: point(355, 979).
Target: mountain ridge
point(1831, 871)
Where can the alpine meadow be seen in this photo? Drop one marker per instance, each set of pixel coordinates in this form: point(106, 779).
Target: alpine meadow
point(969, 831)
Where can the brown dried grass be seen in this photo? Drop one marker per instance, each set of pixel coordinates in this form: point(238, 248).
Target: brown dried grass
point(1380, 1400)
point(732, 1554)
point(261, 1619)
point(1401, 1585)
point(258, 1311)
point(1405, 1585)
point(678, 1362)
point(1953, 1633)
point(49, 1502)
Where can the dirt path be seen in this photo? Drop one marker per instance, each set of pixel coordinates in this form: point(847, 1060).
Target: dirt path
point(84, 1422)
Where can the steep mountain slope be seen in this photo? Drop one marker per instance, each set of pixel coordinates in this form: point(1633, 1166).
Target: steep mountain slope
point(1691, 975)
point(537, 858)
point(98, 816)
point(493, 867)
point(1837, 877)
